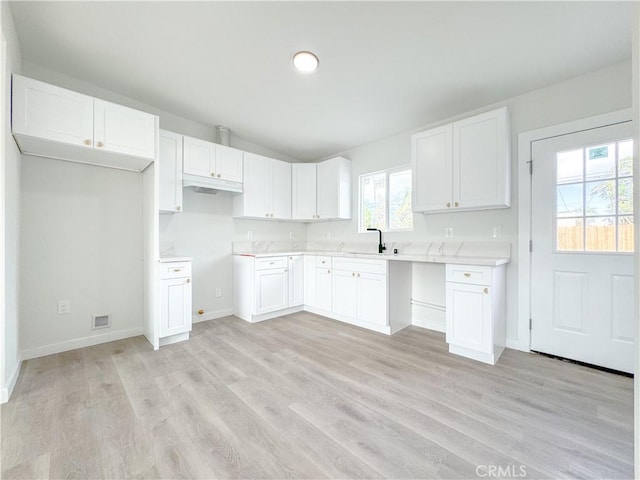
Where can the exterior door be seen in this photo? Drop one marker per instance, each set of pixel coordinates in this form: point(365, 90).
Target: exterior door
point(582, 247)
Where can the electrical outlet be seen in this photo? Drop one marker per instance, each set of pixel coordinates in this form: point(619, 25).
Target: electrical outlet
point(249, 235)
point(64, 307)
point(448, 232)
point(218, 292)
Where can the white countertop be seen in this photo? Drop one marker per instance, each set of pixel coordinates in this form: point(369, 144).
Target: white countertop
point(458, 260)
point(175, 259)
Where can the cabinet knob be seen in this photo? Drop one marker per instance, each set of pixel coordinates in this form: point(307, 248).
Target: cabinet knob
point(323, 261)
point(271, 263)
point(188, 280)
point(353, 274)
point(290, 258)
point(358, 275)
point(100, 144)
point(213, 174)
point(178, 208)
point(219, 177)
point(467, 274)
point(177, 269)
point(448, 204)
point(486, 290)
point(266, 214)
point(286, 269)
point(87, 142)
point(328, 271)
point(456, 204)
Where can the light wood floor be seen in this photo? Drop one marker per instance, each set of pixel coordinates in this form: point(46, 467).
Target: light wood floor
point(306, 397)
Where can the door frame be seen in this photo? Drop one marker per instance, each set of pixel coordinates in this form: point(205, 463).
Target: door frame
point(525, 140)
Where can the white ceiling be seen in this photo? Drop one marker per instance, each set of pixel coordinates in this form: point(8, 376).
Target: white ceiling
point(385, 67)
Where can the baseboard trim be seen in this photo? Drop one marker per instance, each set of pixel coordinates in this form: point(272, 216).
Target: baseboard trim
point(205, 317)
point(429, 315)
point(430, 325)
point(7, 389)
point(517, 345)
point(80, 343)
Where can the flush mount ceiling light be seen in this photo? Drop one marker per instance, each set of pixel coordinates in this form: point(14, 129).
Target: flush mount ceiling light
point(305, 61)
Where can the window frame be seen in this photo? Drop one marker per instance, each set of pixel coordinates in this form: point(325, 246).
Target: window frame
point(387, 172)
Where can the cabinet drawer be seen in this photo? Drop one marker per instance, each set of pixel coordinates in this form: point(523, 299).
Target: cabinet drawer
point(175, 270)
point(471, 274)
point(271, 262)
point(360, 265)
point(323, 261)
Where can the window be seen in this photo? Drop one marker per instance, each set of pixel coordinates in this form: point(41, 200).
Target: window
point(594, 198)
point(385, 200)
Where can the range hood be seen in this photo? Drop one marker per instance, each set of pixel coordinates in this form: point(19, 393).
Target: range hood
point(210, 185)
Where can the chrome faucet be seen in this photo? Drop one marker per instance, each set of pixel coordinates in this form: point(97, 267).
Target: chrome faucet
point(381, 246)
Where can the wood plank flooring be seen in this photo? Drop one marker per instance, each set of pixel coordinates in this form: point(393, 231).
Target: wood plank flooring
point(306, 397)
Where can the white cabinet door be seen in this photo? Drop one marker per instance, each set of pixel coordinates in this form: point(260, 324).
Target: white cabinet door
point(199, 157)
point(468, 316)
point(255, 200)
point(170, 172)
point(296, 280)
point(280, 190)
point(344, 292)
point(432, 169)
point(481, 161)
point(371, 298)
point(272, 290)
point(323, 291)
point(228, 163)
point(124, 130)
point(46, 111)
point(310, 286)
point(303, 191)
point(334, 189)
point(175, 309)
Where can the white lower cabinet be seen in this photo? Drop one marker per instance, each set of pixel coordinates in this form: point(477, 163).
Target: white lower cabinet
point(360, 290)
point(310, 284)
point(272, 290)
point(175, 302)
point(267, 287)
point(475, 311)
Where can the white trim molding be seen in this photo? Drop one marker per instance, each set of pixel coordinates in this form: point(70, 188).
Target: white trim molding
point(206, 316)
point(525, 139)
point(7, 389)
point(80, 343)
point(428, 315)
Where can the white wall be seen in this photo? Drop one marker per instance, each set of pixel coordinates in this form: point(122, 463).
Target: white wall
point(11, 201)
point(205, 231)
point(81, 241)
point(598, 92)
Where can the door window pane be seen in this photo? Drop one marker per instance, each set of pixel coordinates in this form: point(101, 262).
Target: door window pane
point(600, 161)
point(625, 158)
point(569, 166)
point(625, 196)
point(601, 234)
point(601, 198)
point(569, 200)
point(625, 234)
point(594, 198)
point(570, 234)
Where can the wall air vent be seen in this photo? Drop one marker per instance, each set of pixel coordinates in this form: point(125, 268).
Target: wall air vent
point(100, 321)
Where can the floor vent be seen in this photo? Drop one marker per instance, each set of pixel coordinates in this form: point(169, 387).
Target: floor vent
point(101, 321)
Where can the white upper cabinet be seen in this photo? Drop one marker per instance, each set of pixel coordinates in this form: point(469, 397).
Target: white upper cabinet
point(208, 159)
point(333, 189)
point(303, 191)
point(432, 169)
point(120, 129)
point(53, 113)
point(464, 165)
point(54, 122)
point(267, 189)
point(170, 172)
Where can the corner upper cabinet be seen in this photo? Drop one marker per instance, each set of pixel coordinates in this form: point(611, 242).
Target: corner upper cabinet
point(54, 122)
point(267, 189)
point(211, 160)
point(170, 172)
point(303, 191)
point(334, 189)
point(464, 165)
